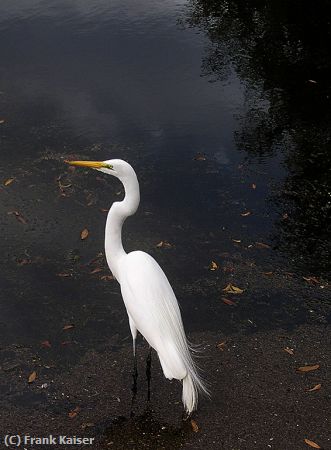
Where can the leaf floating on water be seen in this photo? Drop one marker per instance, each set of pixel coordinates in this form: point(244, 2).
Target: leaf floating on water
point(8, 181)
point(317, 387)
point(312, 443)
point(84, 234)
point(74, 412)
point(68, 327)
point(227, 301)
point(194, 426)
point(308, 368)
point(164, 244)
point(231, 289)
point(46, 344)
point(32, 377)
point(245, 213)
point(200, 157)
point(261, 245)
point(213, 266)
point(289, 350)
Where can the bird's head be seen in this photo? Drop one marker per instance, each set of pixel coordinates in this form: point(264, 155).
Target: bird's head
point(115, 167)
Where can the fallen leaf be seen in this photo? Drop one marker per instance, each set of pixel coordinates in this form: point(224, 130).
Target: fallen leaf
point(231, 289)
point(308, 368)
point(311, 280)
point(18, 216)
point(246, 213)
point(8, 181)
point(74, 412)
point(107, 278)
point(32, 377)
point(312, 444)
point(23, 262)
point(63, 274)
point(87, 425)
point(194, 426)
point(261, 245)
point(96, 270)
point(289, 350)
point(200, 157)
point(221, 346)
point(237, 241)
point(253, 186)
point(312, 81)
point(84, 234)
point(227, 301)
point(164, 244)
point(2, 120)
point(317, 387)
point(46, 344)
point(68, 327)
point(104, 210)
point(268, 274)
point(285, 216)
point(213, 266)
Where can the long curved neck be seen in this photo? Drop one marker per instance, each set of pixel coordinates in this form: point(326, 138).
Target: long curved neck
point(115, 219)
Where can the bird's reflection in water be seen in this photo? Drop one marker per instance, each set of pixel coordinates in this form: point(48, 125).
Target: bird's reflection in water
point(144, 431)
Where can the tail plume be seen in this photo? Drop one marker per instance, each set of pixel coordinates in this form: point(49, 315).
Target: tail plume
point(192, 385)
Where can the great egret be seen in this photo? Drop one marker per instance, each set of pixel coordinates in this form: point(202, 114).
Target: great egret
point(148, 296)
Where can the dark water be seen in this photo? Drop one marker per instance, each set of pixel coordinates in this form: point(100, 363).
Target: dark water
point(245, 86)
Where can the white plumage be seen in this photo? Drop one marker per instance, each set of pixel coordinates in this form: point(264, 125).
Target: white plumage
point(148, 296)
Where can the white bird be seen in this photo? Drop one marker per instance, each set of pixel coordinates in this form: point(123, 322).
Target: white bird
point(148, 296)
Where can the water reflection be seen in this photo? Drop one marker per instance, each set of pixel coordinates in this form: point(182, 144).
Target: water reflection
point(281, 51)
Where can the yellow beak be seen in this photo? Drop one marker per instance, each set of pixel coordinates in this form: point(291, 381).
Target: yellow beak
point(91, 164)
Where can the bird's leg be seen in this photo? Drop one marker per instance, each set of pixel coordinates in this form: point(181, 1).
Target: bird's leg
point(134, 376)
point(148, 373)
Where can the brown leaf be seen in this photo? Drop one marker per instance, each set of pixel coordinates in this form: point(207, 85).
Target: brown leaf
point(221, 346)
point(237, 241)
point(289, 350)
point(104, 210)
point(107, 278)
point(253, 186)
point(18, 216)
point(194, 426)
point(227, 301)
point(23, 262)
point(245, 213)
point(96, 270)
point(268, 274)
point(84, 234)
point(308, 368)
point(8, 181)
point(200, 157)
point(164, 244)
point(311, 280)
point(87, 425)
point(261, 245)
point(231, 289)
point(74, 412)
point(32, 377)
point(46, 344)
point(2, 121)
point(312, 443)
point(64, 274)
point(317, 387)
point(213, 266)
point(68, 327)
